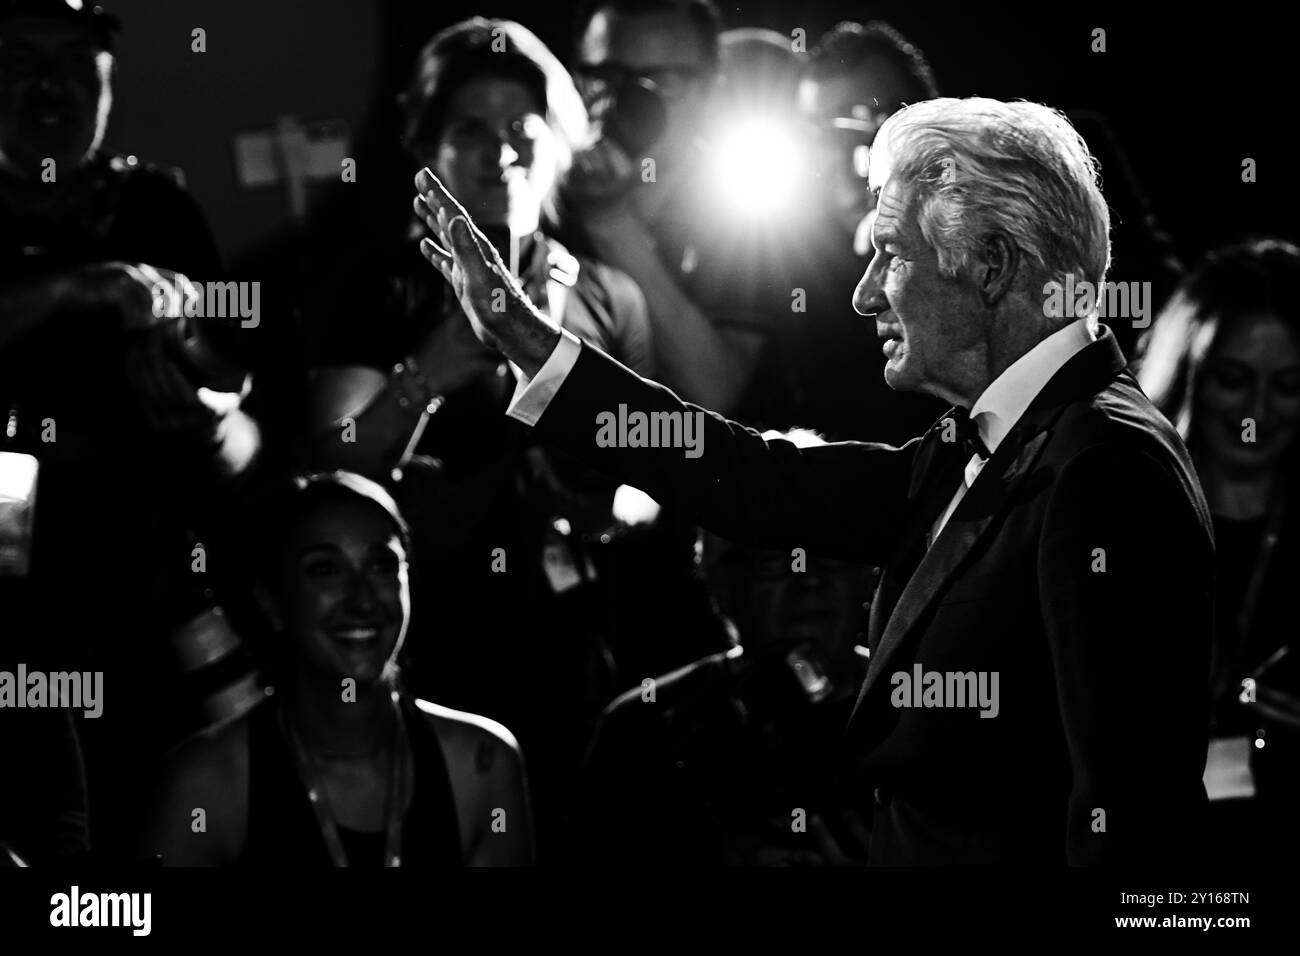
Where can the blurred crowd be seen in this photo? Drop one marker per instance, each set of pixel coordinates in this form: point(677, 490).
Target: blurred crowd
point(350, 613)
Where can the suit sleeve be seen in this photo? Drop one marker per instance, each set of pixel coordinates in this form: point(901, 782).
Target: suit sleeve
point(842, 500)
point(1126, 576)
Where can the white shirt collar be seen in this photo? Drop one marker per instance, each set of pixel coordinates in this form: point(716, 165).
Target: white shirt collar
point(1000, 405)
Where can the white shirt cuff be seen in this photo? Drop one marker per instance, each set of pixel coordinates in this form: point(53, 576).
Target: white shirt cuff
point(532, 397)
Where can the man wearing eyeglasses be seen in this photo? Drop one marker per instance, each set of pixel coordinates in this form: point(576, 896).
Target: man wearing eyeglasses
point(99, 400)
point(648, 70)
point(855, 78)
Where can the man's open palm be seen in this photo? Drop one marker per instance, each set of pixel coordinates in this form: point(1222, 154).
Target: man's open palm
point(487, 291)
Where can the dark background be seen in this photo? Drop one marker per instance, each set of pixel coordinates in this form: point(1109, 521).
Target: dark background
point(1190, 90)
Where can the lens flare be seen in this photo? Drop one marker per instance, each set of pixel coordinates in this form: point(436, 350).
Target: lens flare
point(759, 167)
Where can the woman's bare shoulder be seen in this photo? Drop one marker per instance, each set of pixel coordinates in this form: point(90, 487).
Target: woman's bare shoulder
point(199, 811)
point(461, 728)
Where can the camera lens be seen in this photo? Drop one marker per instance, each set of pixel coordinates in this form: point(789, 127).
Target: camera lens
point(635, 117)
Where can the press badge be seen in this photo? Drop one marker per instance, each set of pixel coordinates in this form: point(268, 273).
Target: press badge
point(17, 512)
point(1227, 769)
point(559, 561)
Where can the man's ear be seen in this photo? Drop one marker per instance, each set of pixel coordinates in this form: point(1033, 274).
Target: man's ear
point(996, 268)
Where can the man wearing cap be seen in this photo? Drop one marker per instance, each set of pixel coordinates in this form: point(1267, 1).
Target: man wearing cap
point(84, 230)
point(92, 387)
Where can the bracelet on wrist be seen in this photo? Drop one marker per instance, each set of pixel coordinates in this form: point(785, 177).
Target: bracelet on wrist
point(412, 387)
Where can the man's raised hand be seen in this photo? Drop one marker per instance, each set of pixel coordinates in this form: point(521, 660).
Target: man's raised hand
point(498, 308)
point(487, 291)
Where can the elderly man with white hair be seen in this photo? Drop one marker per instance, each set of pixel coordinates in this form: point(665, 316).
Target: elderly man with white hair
point(1039, 638)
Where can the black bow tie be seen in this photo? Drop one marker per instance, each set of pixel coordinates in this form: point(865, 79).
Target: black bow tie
point(968, 434)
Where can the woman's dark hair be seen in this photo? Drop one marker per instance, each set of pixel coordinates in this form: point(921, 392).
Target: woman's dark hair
point(1258, 276)
point(501, 48)
point(290, 502)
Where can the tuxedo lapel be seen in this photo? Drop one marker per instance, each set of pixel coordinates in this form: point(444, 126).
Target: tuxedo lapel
point(990, 496)
point(934, 476)
point(980, 511)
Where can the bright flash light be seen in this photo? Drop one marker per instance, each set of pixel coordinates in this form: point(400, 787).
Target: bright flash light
point(759, 165)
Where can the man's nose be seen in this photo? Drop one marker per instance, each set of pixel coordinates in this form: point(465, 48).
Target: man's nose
point(869, 297)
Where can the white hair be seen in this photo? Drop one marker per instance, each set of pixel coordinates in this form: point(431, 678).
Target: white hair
point(983, 166)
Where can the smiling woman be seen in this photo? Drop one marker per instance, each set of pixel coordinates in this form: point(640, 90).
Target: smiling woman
point(342, 767)
point(1222, 362)
point(493, 110)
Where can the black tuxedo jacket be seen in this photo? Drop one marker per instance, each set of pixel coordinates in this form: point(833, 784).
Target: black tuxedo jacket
point(1078, 568)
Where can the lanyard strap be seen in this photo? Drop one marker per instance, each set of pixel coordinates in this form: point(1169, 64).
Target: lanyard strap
point(319, 799)
point(1259, 573)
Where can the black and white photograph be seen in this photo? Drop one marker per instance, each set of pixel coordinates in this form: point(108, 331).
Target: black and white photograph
point(652, 443)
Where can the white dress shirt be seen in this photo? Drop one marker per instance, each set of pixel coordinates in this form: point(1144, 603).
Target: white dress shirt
point(1000, 405)
point(532, 397)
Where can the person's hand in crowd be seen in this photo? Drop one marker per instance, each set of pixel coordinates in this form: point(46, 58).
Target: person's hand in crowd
point(600, 178)
point(600, 189)
point(143, 294)
point(601, 172)
point(149, 301)
point(129, 289)
point(610, 200)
